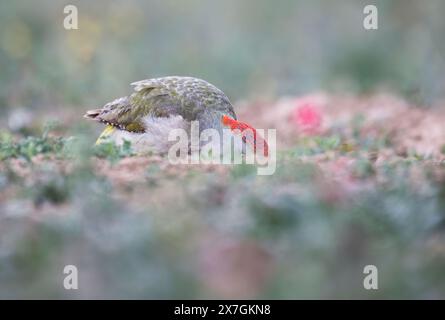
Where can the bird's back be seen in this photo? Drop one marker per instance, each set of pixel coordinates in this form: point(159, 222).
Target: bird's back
point(163, 97)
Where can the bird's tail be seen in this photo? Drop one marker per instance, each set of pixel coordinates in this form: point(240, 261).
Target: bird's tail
point(92, 114)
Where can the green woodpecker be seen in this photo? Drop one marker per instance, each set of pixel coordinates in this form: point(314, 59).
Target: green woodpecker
point(156, 106)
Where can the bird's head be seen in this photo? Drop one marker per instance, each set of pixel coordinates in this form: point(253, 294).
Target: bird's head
point(249, 135)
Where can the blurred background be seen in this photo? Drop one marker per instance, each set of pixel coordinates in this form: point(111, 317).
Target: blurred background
point(360, 167)
point(251, 48)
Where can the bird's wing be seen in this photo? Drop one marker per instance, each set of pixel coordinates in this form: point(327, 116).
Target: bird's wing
point(185, 96)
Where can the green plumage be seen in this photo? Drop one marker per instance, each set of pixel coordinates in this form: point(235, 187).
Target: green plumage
point(191, 98)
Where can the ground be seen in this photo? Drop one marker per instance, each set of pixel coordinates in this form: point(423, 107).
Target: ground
point(360, 181)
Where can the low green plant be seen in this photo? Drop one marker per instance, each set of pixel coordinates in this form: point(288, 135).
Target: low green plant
point(30, 146)
point(112, 151)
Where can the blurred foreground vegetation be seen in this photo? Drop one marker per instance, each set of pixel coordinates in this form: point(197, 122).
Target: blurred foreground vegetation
point(138, 227)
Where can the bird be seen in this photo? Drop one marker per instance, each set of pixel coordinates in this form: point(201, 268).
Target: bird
point(158, 105)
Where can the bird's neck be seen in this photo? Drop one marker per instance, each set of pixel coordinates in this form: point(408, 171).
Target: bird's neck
point(211, 119)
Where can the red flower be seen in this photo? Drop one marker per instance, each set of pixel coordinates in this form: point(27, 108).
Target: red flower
point(307, 116)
